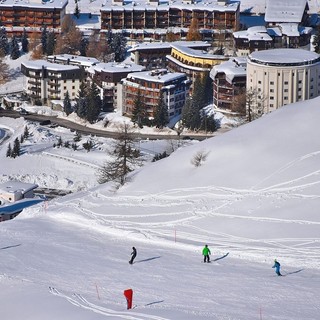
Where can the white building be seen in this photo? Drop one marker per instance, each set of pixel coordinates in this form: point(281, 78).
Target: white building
point(283, 76)
point(46, 82)
point(74, 60)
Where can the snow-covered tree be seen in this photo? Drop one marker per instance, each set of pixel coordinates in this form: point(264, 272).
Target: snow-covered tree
point(93, 103)
point(44, 39)
point(24, 41)
point(4, 72)
point(139, 114)
point(119, 46)
point(4, 43)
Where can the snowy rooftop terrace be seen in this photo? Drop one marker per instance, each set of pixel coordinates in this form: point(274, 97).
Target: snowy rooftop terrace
point(197, 53)
point(50, 4)
point(16, 186)
point(284, 57)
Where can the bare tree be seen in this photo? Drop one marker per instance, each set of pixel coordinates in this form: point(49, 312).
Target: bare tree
point(124, 158)
point(254, 104)
point(4, 72)
point(199, 158)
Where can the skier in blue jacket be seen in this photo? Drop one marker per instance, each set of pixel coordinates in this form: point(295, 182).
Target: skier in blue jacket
point(277, 267)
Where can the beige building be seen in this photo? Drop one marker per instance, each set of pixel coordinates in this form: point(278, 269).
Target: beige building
point(283, 76)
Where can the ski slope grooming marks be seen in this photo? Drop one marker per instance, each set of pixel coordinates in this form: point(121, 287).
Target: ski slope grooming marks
point(79, 301)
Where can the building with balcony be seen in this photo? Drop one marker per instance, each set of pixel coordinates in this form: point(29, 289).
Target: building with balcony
point(283, 76)
point(229, 81)
point(150, 84)
point(194, 63)
point(16, 15)
point(107, 77)
point(152, 55)
point(153, 19)
point(45, 81)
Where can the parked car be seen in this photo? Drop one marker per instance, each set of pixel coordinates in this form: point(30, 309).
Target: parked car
point(45, 122)
point(23, 112)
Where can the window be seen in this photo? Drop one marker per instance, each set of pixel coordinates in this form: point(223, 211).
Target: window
point(285, 98)
point(271, 98)
point(285, 90)
point(259, 82)
point(271, 90)
point(286, 82)
point(271, 83)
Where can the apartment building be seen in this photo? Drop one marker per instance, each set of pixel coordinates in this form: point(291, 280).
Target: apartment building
point(45, 82)
point(150, 84)
point(229, 81)
point(108, 76)
point(15, 15)
point(283, 76)
point(153, 19)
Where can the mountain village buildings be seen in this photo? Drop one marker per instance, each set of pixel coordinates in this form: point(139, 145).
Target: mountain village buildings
point(283, 76)
point(149, 85)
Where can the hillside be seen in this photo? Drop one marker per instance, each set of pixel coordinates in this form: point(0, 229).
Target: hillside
point(255, 198)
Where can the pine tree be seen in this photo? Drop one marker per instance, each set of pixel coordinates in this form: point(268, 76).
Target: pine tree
point(15, 51)
point(139, 114)
point(67, 108)
point(9, 151)
point(24, 42)
point(4, 43)
point(77, 11)
point(44, 38)
point(51, 42)
point(118, 46)
point(161, 113)
point(83, 46)
point(4, 72)
point(186, 112)
point(81, 101)
point(16, 148)
point(124, 158)
point(26, 133)
point(94, 103)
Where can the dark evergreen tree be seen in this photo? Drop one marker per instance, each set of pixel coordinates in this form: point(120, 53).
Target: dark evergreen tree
point(60, 142)
point(161, 113)
point(26, 133)
point(77, 11)
point(316, 39)
point(15, 51)
point(9, 151)
point(77, 137)
point(44, 39)
point(81, 101)
point(24, 42)
point(51, 43)
point(67, 108)
point(106, 106)
point(16, 148)
point(94, 103)
point(208, 122)
point(119, 46)
point(83, 46)
point(4, 43)
point(139, 114)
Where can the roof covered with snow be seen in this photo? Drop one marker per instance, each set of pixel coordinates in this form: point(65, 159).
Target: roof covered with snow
point(234, 67)
point(284, 56)
point(161, 76)
point(167, 45)
point(198, 53)
point(39, 64)
point(285, 10)
point(43, 4)
point(82, 60)
point(114, 67)
point(15, 186)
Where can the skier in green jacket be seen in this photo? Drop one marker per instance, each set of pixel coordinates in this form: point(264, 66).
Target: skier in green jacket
point(206, 253)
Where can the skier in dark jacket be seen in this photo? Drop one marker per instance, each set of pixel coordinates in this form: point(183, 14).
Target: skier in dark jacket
point(277, 267)
point(206, 253)
point(133, 255)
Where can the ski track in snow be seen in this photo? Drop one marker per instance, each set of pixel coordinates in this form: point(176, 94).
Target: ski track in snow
point(208, 202)
point(79, 301)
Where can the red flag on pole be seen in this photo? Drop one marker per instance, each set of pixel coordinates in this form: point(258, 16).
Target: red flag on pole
point(128, 294)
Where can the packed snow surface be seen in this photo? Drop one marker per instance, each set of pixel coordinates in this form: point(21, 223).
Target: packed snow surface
point(254, 198)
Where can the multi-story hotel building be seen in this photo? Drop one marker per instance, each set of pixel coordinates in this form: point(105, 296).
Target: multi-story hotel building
point(283, 76)
point(45, 81)
point(229, 80)
point(153, 19)
point(15, 15)
point(194, 63)
point(149, 84)
point(153, 55)
point(107, 77)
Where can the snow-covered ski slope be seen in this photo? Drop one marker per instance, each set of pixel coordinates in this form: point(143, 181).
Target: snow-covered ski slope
point(255, 198)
